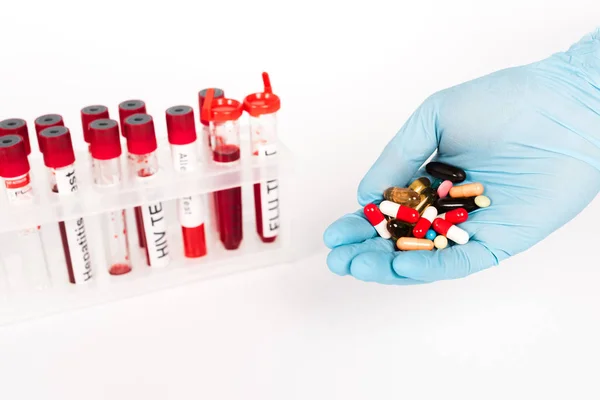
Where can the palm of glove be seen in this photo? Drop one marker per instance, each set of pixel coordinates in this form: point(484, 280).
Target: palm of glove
point(530, 135)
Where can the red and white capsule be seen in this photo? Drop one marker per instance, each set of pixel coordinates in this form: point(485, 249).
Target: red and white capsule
point(399, 212)
point(457, 216)
point(424, 223)
point(376, 218)
point(451, 231)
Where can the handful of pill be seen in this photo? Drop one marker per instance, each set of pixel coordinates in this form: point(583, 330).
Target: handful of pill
point(427, 214)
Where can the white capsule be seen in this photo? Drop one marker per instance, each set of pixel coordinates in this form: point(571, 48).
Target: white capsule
point(382, 230)
point(430, 213)
point(457, 235)
point(389, 208)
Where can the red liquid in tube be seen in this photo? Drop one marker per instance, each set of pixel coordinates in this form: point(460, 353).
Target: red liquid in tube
point(182, 138)
point(229, 202)
point(223, 116)
point(128, 108)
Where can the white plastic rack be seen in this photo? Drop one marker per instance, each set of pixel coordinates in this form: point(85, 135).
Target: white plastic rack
point(19, 303)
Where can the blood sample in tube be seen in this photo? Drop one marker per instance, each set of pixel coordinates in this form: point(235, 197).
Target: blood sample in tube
point(262, 108)
point(105, 148)
point(206, 150)
point(141, 146)
point(182, 137)
point(15, 175)
point(16, 126)
point(223, 115)
point(46, 121)
point(59, 158)
point(126, 109)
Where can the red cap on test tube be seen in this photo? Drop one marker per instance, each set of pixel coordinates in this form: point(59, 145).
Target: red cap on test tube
point(46, 121)
point(58, 148)
point(266, 102)
point(217, 94)
point(221, 109)
point(128, 108)
point(180, 125)
point(140, 135)
point(88, 115)
point(13, 156)
point(105, 141)
point(16, 126)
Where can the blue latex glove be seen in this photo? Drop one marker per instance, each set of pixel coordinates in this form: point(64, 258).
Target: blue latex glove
point(530, 134)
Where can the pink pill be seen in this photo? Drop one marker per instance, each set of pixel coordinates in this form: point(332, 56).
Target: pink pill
point(444, 189)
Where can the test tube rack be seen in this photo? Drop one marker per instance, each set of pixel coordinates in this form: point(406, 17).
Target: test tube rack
point(166, 186)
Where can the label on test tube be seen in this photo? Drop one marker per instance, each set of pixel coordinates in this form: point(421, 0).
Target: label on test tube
point(66, 183)
point(269, 194)
point(18, 189)
point(155, 229)
point(189, 208)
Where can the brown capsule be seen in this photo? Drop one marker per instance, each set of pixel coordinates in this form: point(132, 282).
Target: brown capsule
point(408, 243)
point(399, 228)
point(428, 197)
point(420, 184)
point(468, 190)
point(404, 196)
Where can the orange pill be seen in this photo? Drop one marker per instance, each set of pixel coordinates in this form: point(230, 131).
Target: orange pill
point(468, 190)
point(409, 243)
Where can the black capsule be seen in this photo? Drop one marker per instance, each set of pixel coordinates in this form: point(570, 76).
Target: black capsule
point(448, 204)
point(446, 172)
point(399, 229)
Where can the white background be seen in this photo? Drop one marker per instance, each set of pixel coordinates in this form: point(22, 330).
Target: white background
point(349, 74)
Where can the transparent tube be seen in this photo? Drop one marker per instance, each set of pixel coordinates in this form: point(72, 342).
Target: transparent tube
point(263, 135)
point(205, 150)
point(190, 208)
point(107, 173)
point(225, 143)
point(153, 222)
point(30, 270)
point(63, 181)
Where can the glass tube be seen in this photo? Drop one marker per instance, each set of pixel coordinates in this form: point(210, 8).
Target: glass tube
point(114, 223)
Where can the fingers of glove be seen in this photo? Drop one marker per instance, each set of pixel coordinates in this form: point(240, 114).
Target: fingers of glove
point(450, 263)
point(340, 258)
point(351, 228)
point(376, 266)
point(404, 154)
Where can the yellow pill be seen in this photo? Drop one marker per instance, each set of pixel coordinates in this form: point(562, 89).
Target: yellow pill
point(404, 196)
point(482, 201)
point(420, 184)
point(408, 243)
point(427, 199)
point(468, 190)
point(440, 242)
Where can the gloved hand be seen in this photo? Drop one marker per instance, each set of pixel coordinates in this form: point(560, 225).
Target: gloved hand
point(530, 134)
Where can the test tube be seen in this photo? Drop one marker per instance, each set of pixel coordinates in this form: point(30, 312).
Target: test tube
point(223, 115)
point(16, 126)
point(141, 146)
point(262, 108)
point(46, 121)
point(182, 137)
point(126, 109)
point(14, 172)
point(59, 158)
point(206, 150)
point(105, 148)
point(205, 142)
point(88, 115)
